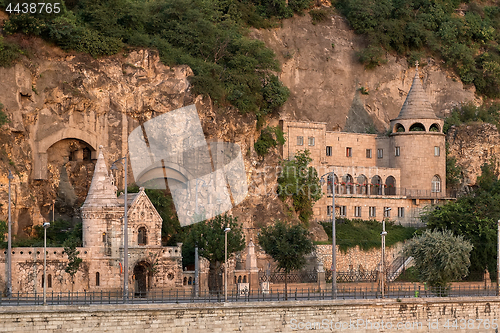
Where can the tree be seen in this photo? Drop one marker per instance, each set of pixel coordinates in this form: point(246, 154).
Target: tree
point(209, 237)
point(287, 245)
point(73, 260)
point(440, 257)
point(474, 216)
point(299, 183)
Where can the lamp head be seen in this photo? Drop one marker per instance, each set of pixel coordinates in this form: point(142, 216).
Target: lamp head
point(10, 177)
point(114, 167)
point(227, 229)
point(46, 225)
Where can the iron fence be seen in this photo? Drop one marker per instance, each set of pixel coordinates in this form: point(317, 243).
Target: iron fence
point(273, 294)
point(292, 277)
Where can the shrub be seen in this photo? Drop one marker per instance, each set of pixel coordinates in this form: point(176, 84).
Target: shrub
point(319, 15)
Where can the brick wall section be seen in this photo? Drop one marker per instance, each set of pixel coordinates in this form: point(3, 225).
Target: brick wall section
point(355, 256)
point(420, 315)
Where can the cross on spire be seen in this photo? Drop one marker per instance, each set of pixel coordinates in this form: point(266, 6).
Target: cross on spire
point(416, 65)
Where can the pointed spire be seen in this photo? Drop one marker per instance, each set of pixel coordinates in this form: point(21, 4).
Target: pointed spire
point(416, 104)
point(102, 191)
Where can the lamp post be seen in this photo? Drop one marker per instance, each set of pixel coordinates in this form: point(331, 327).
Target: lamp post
point(225, 263)
point(9, 244)
point(334, 250)
point(382, 265)
point(498, 259)
point(125, 229)
point(45, 226)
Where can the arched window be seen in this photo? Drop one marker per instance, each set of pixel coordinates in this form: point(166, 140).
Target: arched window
point(142, 236)
point(184, 282)
point(436, 184)
point(399, 128)
point(390, 186)
point(239, 279)
point(417, 127)
point(348, 184)
point(244, 279)
point(376, 185)
point(49, 281)
point(190, 281)
point(434, 128)
point(329, 184)
point(362, 184)
point(97, 279)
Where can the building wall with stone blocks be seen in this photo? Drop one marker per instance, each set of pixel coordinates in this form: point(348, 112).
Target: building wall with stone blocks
point(356, 258)
point(363, 316)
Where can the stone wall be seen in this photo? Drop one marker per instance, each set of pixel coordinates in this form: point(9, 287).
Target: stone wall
point(354, 258)
point(407, 315)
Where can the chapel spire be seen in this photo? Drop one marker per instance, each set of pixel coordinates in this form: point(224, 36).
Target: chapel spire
point(416, 105)
point(102, 191)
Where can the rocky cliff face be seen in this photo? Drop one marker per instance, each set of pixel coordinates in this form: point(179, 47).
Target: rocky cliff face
point(62, 107)
point(473, 145)
point(322, 71)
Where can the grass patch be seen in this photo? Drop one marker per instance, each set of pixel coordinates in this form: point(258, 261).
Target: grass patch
point(366, 234)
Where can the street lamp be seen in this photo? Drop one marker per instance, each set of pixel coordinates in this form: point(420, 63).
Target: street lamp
point(334, 250)
point(225, 263)
point(383, 234)
point(498, 259)
point(125, 229)
point(45, 226)
point(9, 244)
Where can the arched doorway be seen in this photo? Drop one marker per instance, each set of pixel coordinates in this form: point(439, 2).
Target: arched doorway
point(143, 279)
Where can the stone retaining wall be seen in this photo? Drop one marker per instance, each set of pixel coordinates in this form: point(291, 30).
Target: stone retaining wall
point(407, 315)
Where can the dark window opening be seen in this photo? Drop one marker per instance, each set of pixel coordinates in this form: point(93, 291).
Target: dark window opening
point(142, 236)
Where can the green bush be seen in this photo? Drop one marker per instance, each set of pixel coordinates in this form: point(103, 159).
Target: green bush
point(9, 52)
point(319, 15)
point(269, 137)
point(468, 43)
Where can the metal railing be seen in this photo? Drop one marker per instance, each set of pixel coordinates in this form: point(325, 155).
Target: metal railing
point(384, 190)
point(187, 296)
point(292, 277)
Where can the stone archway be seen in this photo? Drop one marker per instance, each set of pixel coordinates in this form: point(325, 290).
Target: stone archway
point(142, 278)
point(41, 147)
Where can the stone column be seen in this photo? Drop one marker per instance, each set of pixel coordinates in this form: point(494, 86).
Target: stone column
point(321, 275)
point(251, 267)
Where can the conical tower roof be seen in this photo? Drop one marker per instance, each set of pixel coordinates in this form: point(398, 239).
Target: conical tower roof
point(102, 191)
point(416, 105)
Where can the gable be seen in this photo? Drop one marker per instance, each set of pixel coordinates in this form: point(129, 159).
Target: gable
point(142, 209)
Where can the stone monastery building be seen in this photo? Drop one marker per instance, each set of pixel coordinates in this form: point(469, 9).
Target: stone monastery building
point(404, 171)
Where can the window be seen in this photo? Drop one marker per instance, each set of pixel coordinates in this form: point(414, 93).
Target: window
point(373, 212)
point(329, 210)
point(300, 141)
point(380, 153)
point(397, 151)
point(436, 184)
point(368, 153)
point(357, 211)
point(348, 152)
point(97, 279)
point(104, 237)
point(142, 236)
point(343, 210)
point(49, 281)
point(387, 212)
point(437, 151)
point(328, 151)
point(401, 212)
point(311, 141)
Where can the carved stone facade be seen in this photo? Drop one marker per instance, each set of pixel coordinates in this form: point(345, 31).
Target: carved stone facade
point(404, 171)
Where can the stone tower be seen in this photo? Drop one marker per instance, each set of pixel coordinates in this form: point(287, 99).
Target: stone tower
point(418, 145)
point(101, 211)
